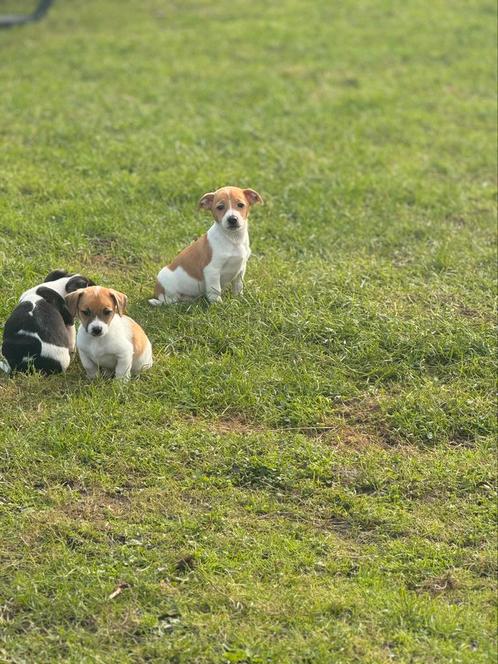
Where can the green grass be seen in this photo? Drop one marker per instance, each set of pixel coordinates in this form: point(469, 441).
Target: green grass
point(307, 474)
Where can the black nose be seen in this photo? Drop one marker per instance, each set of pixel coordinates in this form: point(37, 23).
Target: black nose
point(232, 221)
point(96, 331)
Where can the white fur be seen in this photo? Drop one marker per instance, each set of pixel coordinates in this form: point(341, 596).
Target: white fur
point(57, 353)
point(96, 322)
point(230, 253)
point(113, 350)
point(59, 286)
point(232, 212)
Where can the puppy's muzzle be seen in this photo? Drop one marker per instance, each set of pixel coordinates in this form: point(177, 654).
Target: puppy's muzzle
point(232, 221)
point(96, 331)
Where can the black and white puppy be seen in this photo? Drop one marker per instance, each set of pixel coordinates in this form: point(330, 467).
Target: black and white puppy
point(40, 332)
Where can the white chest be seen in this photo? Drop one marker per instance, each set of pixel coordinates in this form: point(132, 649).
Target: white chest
point(104, 351)
point(229, 257)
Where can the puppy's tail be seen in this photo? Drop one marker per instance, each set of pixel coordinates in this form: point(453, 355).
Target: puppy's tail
point(159, 295)
point(155, 302)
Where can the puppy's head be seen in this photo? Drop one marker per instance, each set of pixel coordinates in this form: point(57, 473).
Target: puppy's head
point(230, 206)
point(96, 307)
point(77, 281)
point(68, 280)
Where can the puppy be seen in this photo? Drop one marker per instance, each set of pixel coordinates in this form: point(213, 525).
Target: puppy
point(40, 333)
point(217, 258)
point(105, 340)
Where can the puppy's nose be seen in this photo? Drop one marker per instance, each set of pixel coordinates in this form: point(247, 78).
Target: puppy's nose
point(96, 331)
point(233, 221)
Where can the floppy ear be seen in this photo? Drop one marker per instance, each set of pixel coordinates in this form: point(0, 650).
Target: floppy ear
point(206, 201)
point(72, 301)
point(52, 297)
point(252, 196)
point(121, 301)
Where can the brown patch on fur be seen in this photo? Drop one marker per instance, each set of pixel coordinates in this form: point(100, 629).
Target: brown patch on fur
point(194, 258)
point(120, 299)
point(99, 302)
point(72, 301)
point(222, 199)
point(139, 338)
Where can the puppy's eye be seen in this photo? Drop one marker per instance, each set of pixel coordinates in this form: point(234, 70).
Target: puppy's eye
point(240, 205)
point(107, 312)
point(220, 206)
point(86, 312)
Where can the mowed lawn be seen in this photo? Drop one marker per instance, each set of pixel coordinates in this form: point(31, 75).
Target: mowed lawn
point(307, 473)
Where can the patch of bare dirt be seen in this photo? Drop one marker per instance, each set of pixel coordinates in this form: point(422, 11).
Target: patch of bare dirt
point(438, 584)
point(356, 424)
point(97, 506)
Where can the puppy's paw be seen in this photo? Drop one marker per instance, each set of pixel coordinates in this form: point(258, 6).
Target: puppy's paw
point(237, 289)
point(155, 302)
point(215, 300)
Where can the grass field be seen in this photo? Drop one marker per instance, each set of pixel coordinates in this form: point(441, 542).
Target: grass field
point(307, 474)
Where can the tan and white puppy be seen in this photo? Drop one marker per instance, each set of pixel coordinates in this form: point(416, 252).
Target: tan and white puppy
point(216, 259)
point(106, 338)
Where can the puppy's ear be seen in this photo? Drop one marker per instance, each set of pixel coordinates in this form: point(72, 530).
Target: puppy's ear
point(78, 281)
point(206, 201)
point(53, 298)
point(55, 274)
point(120, 300)
point(72, 301)
point(252, 196)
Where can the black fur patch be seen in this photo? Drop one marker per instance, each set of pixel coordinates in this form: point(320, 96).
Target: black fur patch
point(48, 318)
point(77, 282)
point(56, 274)
point(42, 318)
point(58, 302)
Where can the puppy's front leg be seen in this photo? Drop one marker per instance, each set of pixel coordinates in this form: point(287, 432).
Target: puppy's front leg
point(213, 286)
point(88, 364)
point(238, 282)
point(71, 333)
point(123, 366)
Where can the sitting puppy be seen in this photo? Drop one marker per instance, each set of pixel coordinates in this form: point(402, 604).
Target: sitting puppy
point(40, 332)
point(217, 258)
point(115, 343)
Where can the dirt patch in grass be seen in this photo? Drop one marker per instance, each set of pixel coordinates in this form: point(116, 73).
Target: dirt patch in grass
point(235, 425)
point(88, 518)
point(355, 431)
point(438, 585)
point(107, 251)
point(97, 506)
point(354, 437)
point(363, 423)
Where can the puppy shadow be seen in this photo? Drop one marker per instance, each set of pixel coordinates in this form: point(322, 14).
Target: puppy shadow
point(185, 306)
